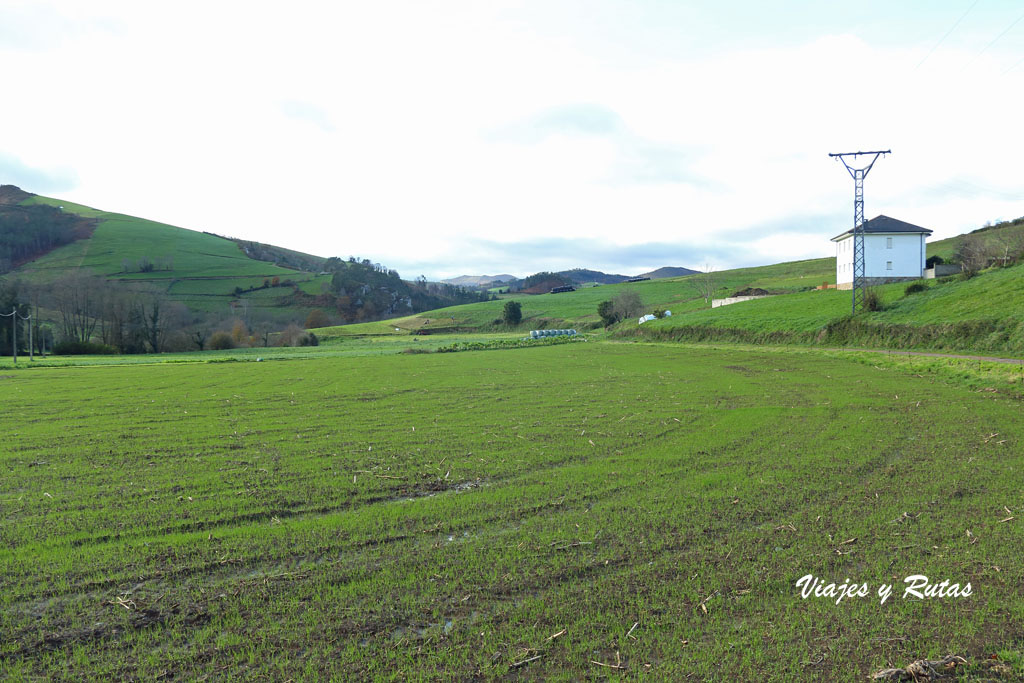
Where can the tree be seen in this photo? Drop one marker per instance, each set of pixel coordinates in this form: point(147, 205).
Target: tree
point(151, 322)
point(512, 314)
point(606, 309)
point(77, 300)
point(221, 341)
point(317, 318)
point(1009, 246)
point(704, 283)
point(627, 305)
point(239, 333)
point(972, 252)
point(12, 326)
point(199, 338)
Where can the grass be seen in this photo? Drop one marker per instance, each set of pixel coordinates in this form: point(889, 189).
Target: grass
point(579, 308)
point(503, 513)
point(204, 271)
point(983, 314)
point(995, 236)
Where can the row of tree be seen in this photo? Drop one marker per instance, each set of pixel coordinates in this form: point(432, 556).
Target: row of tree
point(365, 291)
point(84, 314)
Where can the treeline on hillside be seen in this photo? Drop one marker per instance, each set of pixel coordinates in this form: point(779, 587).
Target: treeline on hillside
point(365, 291)
point(27, 232)
point(992, 245)
point(280, 257)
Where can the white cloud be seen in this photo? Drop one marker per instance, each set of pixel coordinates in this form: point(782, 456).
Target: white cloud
point(370, 128)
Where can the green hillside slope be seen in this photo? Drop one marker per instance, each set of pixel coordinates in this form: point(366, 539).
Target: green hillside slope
point(206, 272)
point(579, 309)
point(984, 313)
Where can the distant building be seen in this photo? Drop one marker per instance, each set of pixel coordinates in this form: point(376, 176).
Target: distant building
point(893, 251)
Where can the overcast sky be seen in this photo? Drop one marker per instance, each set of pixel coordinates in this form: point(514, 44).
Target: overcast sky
point(484, 136)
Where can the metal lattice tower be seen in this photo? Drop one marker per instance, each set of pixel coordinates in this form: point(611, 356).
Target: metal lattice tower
point(858, 175)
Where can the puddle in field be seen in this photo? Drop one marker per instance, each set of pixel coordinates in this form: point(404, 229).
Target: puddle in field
point(452, 537)
point(444, 627)
point(457, 488)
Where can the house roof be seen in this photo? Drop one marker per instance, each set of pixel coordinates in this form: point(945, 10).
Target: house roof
point(884, 224)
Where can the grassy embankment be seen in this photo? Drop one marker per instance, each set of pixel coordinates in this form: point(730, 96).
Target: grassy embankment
point(536, 511)
point(984, 314)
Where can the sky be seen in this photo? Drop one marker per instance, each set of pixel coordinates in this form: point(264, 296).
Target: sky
point(494, 136)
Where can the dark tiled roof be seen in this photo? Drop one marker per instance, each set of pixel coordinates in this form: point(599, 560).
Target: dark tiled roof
point(884, 224)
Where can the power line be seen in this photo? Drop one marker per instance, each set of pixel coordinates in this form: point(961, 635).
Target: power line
point(943, 38)
point(1018, 63)
point(994, 40)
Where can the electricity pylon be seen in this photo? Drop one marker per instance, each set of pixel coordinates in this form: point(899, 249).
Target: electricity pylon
point(858, 175)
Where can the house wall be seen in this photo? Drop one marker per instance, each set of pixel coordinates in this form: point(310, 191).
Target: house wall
point(896, 255)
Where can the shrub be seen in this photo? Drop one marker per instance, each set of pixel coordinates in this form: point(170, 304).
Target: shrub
point(317, 318)
point(221, 341)
point(309, 339)
point(914, 288)
point(659, 312)
point(872, 300)
point(78, 348)
point(934, 261)
point(606, 309)
point(512, 314)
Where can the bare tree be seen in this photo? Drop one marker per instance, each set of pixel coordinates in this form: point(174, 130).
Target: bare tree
point(973, 254)
point(627, 305)
point(76, 297)
point(1009, 245)
point(704, 283)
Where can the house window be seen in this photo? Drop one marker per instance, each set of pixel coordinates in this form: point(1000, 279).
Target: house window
point(888, 265)
point(888, 243)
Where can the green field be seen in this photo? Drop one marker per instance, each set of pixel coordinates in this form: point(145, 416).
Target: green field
point(544, 513)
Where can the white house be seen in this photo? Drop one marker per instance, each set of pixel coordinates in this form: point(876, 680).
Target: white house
point(893, 250)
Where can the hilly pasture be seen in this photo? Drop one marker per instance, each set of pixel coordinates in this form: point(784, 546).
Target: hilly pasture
point(579, 308)
point(983, 314)
point(198, 269)
point(566, 512)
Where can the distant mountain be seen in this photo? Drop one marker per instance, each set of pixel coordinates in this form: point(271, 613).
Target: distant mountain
point(477, 280)
point(577, 276)
point(668, 271)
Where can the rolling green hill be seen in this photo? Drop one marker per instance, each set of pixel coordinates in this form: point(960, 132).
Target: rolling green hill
point(984, 313)
point(579, 309)
point(206, 272)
